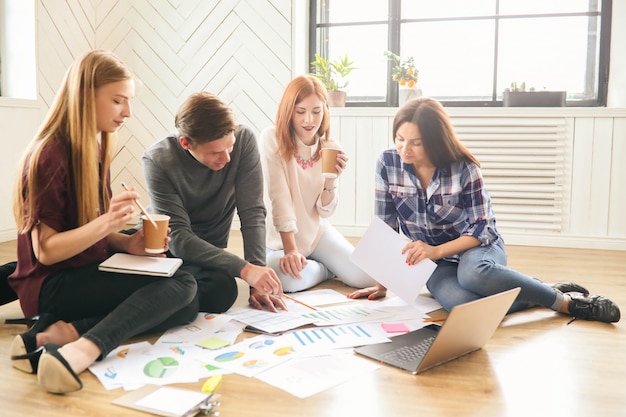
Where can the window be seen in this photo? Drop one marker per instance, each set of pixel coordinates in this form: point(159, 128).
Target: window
point(468, 51)
point(17, 49)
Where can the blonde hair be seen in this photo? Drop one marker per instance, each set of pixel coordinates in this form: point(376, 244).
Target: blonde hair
point(297, 90)
point(72, 119)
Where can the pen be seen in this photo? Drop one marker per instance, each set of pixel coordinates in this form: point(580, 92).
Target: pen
point(143, 210)
point(433, 319)
point(299, 302)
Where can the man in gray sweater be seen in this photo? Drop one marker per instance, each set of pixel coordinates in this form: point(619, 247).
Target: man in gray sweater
point(200, 177)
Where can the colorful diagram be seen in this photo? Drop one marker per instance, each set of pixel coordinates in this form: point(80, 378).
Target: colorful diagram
point(122, 353)
point(261, 344)
point(228, 356)
point(285, 350)
point(210, 316)
point(161, 367)
point(255, 363)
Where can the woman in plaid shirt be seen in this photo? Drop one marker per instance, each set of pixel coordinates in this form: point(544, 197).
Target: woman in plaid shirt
point(431, 188)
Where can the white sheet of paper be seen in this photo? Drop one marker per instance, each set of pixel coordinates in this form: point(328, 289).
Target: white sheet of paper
point(379, 253)
point(304, 376)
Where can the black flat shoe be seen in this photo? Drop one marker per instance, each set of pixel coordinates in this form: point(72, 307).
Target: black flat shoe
point(24, 352)
point(55, 375)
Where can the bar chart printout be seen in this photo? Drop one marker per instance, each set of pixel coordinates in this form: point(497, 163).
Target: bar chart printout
point(334, 337)
point(344, 315)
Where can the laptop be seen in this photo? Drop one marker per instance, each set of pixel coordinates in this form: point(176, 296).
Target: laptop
point(466, 329)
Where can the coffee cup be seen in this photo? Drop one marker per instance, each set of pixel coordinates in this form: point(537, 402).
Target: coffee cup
point(154, 238)
point(329, 162)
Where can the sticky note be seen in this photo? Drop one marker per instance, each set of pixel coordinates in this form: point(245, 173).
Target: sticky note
point(213, 343)
point(394, 327)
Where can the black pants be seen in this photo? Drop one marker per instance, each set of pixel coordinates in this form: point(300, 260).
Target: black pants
point(6, 292)
point(109, 308)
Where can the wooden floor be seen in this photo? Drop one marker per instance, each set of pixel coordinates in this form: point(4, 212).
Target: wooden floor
point(535, 365)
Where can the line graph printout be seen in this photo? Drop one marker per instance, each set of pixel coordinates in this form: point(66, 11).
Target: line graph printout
point(267, 321)
point(344, 315)
point(334, 337)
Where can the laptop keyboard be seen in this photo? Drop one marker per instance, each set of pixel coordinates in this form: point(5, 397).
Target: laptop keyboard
point(406, 354)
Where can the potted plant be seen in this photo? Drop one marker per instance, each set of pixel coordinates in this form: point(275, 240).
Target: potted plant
point(405, 74)
point(517, 96)
point(333, 74)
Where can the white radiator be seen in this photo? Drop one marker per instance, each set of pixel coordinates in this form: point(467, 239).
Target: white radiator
point(524, 163)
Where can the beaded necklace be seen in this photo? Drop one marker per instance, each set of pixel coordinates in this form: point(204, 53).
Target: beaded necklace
point(306, 163)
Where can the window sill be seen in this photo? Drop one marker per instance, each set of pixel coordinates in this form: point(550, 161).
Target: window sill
point(496, 111)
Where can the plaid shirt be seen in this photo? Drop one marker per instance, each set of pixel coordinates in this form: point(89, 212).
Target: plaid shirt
point(454, 204)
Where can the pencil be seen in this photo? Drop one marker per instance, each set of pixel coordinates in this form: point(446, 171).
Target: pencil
point(433, 319)
point(143, 210)
point(299, 302)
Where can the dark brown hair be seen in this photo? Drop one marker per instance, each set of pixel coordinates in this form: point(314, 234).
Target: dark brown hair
point(441, 145)
point(203, 117)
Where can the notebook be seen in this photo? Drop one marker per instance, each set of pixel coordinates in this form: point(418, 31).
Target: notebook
point(142, 265)
point(467, 328)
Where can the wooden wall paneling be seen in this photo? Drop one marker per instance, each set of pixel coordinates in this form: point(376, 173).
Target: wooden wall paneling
point(69, 17)
point(580, 206)
point(220, 45)
point(374, 140)
point(617, 193)
point(113, 26)
point(158, 27)
point(270, 26)
point(194, 14)
point(273, 69)
point(600, 176)
point(346, 133)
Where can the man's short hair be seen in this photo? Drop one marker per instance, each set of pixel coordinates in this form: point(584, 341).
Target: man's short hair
point(203, 117)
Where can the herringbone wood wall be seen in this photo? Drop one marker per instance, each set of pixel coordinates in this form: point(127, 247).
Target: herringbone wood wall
point(240, 50)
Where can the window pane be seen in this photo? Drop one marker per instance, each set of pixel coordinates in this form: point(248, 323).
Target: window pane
point(508, 7)
point(421, 9)
point(369, 79)
point(455, 61)
point(546, 53)
point(352, 11)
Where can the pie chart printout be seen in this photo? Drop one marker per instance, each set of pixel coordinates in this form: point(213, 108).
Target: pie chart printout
point(161, 367)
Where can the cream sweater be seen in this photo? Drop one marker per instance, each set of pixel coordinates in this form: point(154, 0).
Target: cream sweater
point(292, 195)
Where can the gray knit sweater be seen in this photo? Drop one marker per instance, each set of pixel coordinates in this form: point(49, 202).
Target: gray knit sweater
point(202, 202)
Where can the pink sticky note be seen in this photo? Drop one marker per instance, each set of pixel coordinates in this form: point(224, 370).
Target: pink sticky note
point(395, 327)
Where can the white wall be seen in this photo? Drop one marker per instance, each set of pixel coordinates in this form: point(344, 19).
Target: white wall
point(243, 51)
point(18, 122)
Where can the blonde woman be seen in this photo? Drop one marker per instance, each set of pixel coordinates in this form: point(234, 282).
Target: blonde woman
point(68, 222)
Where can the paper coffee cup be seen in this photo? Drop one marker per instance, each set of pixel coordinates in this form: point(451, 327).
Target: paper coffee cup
point(154, 237)
point(329, 162)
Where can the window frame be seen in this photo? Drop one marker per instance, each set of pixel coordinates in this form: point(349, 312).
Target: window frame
point(394, 26)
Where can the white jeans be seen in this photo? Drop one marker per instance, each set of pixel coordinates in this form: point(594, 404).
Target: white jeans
point(330, 258)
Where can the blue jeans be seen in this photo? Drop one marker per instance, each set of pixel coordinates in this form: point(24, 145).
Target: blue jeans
point(482, 271)
point(108, 308)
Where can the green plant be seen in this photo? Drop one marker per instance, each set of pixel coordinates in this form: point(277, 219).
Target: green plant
point(521, 87)
point(404, 71)
point(333, 74)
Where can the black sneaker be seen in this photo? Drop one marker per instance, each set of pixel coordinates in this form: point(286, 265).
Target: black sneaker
point(593, 307)
point(569, 287)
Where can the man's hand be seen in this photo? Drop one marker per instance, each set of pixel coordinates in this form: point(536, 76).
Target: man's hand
point(271, 302)
point(262, 278)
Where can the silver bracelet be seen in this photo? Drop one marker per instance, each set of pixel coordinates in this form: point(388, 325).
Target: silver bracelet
point(329, 190)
